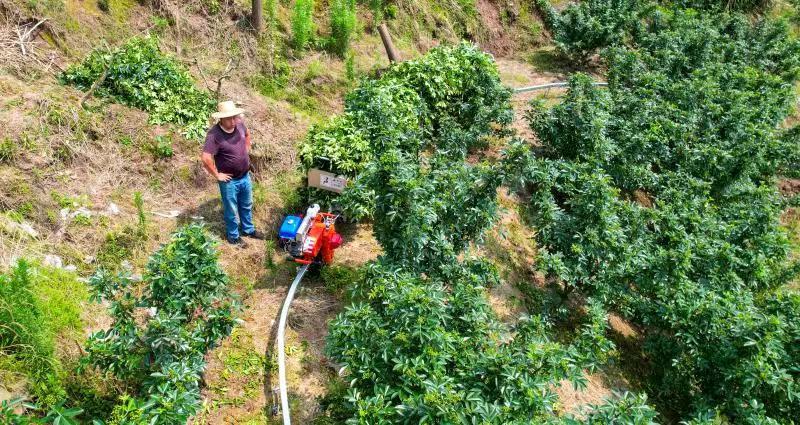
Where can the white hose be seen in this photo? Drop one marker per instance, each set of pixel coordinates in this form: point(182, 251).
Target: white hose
point(281, 345)
point(550, 86)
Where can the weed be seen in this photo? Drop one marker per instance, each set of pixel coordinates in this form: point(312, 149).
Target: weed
point(120, 245)
point(8, 150)
point(337, 277)
point(161, 147)
point(343, 23)
point(36, 305)
point(288, 186)
point(82, 220)
point(71, 202)
point(212, 7)
point(160, 24)
point(314, 69)
point(350, 67)
point(269, 254)
point(126, 141)
point(260, 193)
point(302, 24)
point(138, 202)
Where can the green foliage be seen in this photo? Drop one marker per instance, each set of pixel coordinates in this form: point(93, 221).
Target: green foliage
point(450, 100)
point(187, 309)
point(24, 330)
point(350, 67)
point(419, 350)
point(657, 197)
point(338, 278)
point(8, 150)
point(37, 305)
point(585, 27)
point(141, 217)
point(729, 5)
point(627, 409)
point(343, 23)
point(161, 147)
point(302, 24)
point(420, 342)
point(118, 246)
point(57, 414)
point(336, 145)
point(139, 75)
point(377, 7)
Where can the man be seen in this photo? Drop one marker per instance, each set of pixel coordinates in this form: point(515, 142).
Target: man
point(226, 157)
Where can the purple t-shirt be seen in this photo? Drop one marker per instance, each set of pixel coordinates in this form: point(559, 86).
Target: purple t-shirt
point(229, 149)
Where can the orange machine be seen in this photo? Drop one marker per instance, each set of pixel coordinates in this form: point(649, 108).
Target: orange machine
point(311, 238)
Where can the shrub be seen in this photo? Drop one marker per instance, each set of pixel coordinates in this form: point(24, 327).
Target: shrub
point(420, 341)
point(657, 197)
point(139, 75)
point(729, 5)
point(302, 23)
point(418, 349)
point(450, 99)
point(343, 23)
point(629, 409)
point(158, 339)
point(585, 27)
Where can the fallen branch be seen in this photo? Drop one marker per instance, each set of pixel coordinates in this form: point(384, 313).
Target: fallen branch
point(23, 38)
point(28, 33)
point(21, 42)
point(96, 84)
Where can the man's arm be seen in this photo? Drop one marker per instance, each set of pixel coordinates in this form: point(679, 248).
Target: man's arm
point(208, 164)
point(247, 139)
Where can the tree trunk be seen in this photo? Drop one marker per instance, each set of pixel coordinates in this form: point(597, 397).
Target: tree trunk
point(256, 15)
point(391, 51)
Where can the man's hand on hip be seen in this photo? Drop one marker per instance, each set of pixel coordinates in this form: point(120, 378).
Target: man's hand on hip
point(223, 177)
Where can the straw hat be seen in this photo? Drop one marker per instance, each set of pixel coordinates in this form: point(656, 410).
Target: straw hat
point(227, 109)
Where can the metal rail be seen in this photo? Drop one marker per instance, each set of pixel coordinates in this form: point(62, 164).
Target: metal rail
point(550, 86)
point(281, 344)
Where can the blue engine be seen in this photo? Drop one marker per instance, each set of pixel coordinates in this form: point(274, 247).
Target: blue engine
point(289, 226)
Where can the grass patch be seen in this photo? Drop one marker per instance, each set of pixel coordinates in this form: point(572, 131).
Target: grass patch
point(38, 306)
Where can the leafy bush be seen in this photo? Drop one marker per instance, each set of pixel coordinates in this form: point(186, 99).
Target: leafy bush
point(729, 5)
point(343, 23)
point(420, 341)
point(657, 197)
point(302, 23)
point(585, 27)
point(450, 99)
point(158, 339)
point(419, 350)
point(627, 409)
point(57, 414)
point(139, 75)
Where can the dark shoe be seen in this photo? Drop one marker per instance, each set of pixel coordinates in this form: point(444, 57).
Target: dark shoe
point(255, 235)
point(238, 242)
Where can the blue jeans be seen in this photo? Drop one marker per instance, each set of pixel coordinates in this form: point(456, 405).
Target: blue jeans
point(237, 198)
